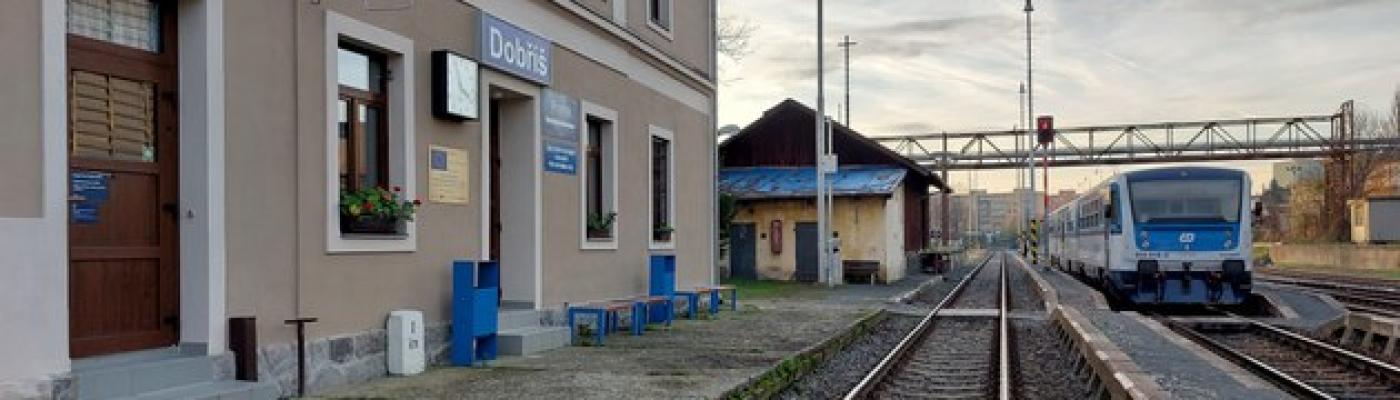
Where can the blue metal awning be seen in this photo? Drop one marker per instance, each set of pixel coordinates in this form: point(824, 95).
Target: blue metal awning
point(749, 183)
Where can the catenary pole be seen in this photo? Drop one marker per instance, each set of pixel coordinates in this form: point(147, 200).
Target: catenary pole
point(1021, 175)
point(820, 154)
point(846, 44)
point(1030, 116)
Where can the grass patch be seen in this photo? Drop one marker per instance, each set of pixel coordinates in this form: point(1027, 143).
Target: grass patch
point(767, 289)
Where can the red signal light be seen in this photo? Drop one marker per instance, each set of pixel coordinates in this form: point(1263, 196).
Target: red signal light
point(1045, 129)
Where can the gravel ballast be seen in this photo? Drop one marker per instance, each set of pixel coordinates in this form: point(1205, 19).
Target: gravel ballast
point(1024, 294)
point(932, 294)
point(841, 373)
point(1044, 365)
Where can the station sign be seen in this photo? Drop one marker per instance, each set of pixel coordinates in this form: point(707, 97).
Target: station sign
point(513, 50)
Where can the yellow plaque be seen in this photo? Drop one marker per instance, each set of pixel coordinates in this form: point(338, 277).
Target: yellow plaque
point(448, 176)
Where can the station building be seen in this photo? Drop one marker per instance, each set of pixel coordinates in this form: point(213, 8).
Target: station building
point(170, 165)
point(880, 213)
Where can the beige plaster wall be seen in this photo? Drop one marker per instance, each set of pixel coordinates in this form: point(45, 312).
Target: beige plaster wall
point(859, 221)
point(690, 31)
point(21, 139)
point(278, 265)
point(597, 274)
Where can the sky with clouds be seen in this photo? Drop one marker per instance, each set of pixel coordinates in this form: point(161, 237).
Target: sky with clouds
point(923, 66)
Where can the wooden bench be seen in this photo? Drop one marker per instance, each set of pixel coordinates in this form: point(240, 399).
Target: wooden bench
point(692, 298)
point(605, 313)
point(866, 268)
point(717, 296)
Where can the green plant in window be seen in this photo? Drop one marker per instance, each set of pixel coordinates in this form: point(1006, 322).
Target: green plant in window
point(662, 232)
point(375, 209)
point(600, 225)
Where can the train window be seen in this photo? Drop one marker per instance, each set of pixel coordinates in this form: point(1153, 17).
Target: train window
point(1186, 200)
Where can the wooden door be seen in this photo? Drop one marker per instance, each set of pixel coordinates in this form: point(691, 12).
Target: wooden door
point(123, 286)
point(495, 217)
point(806, 252)
point(743, 251)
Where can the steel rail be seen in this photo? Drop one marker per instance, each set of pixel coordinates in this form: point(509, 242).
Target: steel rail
point(1324, 349)
point(1391, 372)
point(871, 379)
point(1283, 379)
point(1004, 348)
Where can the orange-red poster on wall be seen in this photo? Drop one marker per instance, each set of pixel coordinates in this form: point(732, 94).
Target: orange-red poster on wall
point(775, 236)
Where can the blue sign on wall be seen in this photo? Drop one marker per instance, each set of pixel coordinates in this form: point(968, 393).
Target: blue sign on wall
point(559, 127)
point(513, 50)
point(89, 190)
point(560, 158)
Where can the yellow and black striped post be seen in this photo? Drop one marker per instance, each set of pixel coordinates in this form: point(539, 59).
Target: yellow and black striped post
point(1034, 241)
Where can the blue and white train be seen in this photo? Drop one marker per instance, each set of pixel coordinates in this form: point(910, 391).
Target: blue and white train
point(1176, 235)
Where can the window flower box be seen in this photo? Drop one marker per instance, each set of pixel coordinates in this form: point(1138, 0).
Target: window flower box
point(375, 211)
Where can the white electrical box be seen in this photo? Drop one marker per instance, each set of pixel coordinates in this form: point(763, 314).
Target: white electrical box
point(406, 355)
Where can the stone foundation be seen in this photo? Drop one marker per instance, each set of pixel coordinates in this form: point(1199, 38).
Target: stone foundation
point(57, 387)
point(341, 360)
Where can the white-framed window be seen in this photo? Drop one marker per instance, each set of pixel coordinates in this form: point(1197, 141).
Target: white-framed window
point(659, 17)
point(661, 185)
point(369, 134)
point(598, 178)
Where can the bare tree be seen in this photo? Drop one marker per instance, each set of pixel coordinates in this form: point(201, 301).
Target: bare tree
point(1373, 169)
point(732, 36)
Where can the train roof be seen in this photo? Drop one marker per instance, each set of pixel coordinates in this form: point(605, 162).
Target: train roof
point(1169, 173)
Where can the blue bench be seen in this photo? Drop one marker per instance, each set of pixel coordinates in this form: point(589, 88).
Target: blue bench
point(604, 314)
point(717, 294)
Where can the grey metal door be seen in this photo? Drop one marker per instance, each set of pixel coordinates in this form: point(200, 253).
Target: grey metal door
point(806, 252)
point(741, 251)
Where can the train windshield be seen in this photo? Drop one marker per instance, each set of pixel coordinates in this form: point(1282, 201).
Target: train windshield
point(1185, 201)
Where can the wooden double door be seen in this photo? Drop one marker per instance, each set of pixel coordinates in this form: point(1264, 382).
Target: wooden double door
point(123, 175)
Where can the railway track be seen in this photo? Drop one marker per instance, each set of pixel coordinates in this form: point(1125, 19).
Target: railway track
point(1354, 293)
point(951, 355)
point(1303, 366)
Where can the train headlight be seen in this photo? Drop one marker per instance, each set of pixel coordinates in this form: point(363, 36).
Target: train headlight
point(1143, 235)
point(1146, 244)
point(1229, 243)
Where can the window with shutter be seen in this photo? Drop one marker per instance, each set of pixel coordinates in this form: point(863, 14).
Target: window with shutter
point(111, 118)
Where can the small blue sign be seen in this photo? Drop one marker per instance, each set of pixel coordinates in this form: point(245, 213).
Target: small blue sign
point(513, 50)
point(560, 158)
point(83, 213)
point(438, 159)
point(559, 125)
point(89, 186)
point(89, 190)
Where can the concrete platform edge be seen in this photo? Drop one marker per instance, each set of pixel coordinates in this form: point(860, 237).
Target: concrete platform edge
point(1119, 376)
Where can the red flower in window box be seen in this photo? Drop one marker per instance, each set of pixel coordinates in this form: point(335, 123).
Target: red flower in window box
point(374, 210)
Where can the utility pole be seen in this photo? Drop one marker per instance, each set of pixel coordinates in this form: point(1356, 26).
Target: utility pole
point(1030, 114)
point(823, 253)
point(1021, 176)
point(845, 45)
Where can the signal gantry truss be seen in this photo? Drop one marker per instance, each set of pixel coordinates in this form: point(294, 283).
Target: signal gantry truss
point(1220, 140)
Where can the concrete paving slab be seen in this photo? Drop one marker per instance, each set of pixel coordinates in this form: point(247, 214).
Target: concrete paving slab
point(693, 359)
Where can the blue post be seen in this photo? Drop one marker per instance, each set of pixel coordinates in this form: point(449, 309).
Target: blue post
point(475, 288)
